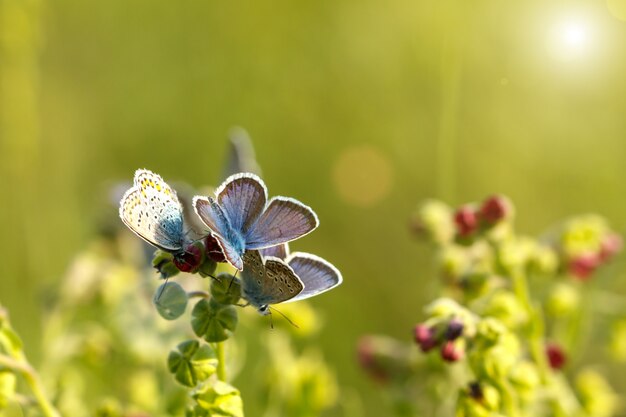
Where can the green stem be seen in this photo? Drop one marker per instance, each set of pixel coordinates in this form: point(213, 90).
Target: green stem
point(32, 380)
point(221, 361)
point(198, 294)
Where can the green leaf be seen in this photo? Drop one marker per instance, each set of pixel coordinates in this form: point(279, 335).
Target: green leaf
point(226, 289)
point(220, 399)
point(192, 362)
point(170, 300)
point(213, 321)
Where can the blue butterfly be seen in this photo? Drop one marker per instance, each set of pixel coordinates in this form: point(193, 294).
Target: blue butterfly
point(272, 276)
point(151, 209)
point(241, 218)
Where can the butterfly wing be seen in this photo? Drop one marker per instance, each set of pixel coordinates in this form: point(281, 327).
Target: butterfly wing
point(285, 219)
point(242, 198)
point(278, 251)
point(268, 281)
point(215, 219)
point(317, 274)
point(156, 219)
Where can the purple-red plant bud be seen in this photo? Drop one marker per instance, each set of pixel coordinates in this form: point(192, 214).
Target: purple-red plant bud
point(425, 337)
point(454, 329)
point(494, 209)
point(556, 356)
point(583, 266)
point(366, 355)
point(610, 246)
point(475, 390)
point(213, 249)
point(450, 352)
point(466, 221)
point(191, 259)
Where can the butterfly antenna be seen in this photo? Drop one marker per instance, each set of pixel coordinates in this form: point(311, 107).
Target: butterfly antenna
point(231, 280)
point(282, 314)
point(162, 289)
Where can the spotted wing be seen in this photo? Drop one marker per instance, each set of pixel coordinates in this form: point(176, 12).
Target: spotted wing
point(268, 281)
point(317, 274)
point(285, 219)
point(161, 225)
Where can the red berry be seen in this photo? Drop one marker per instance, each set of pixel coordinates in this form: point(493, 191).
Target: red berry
point(191, 259)
point(450, 352)
point(610, 246)
point(466, 220)
point(494, 209)
point(425, 337)
point(583, 266)
point(556, 356)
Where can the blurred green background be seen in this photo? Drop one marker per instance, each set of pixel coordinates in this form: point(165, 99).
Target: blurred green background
point(360, 109)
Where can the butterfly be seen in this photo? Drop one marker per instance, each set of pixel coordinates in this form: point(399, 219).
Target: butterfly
point(241, 218)
point(272, 276)
point(151, 210)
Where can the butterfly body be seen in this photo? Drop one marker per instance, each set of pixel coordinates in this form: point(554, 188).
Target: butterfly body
point(241, 218)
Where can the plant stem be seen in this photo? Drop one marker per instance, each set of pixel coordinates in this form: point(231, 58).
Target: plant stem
point(22, 367)
point(198, 294)
point(221, 361)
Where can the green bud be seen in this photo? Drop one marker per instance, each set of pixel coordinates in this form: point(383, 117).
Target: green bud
point(213, 321)
point(525, 377)
point(170, 300)
point(491, 397)
point(109, 408)
point(489, 331)
point(434, 219)
point(7, 388)
point(196, 411)
point(207, 268)
point(493, 363)
point(564, 299)
point(453, 261)
point(583, 235)
point(596, 395)
point(192, 362)
point(504, 306)
point(544, 260)
point(443, 308)
point(219, 399)
point(516, 252)
point(164, 263)
point(226, 289)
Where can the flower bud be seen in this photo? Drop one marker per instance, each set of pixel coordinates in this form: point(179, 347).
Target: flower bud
point(384, 358)
point(556, 356)
point(451, 351)
point(611, 245)
point(433, 219)
point(466, 221)
point(582, 266)
point(425, 337)
point(495, 209)
point(164, 263)
point(191, 259)
point(596, 395)
point(563, 300)
point(454, 329)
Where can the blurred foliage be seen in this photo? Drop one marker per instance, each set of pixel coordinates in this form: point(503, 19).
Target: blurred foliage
point(359, 109)
point(499, 352)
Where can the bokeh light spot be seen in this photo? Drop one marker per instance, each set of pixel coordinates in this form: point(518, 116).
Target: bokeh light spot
point(362, 176)
point(617, 8)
